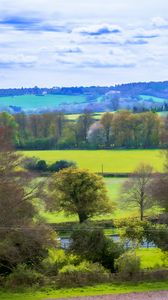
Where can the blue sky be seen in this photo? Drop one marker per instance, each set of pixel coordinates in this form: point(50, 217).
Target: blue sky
point(76, 42)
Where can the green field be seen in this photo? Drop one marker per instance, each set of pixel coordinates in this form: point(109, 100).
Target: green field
point(154, 99)
point(112, 161)
point(33, 103)
point(152, 258)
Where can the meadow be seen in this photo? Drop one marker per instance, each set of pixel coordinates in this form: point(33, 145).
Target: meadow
point(33, 102)
point(110, 161)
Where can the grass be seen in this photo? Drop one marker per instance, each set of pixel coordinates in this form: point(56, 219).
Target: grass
point(103, 289)
point(152, 258)
point(32, 102)
point(113, 161)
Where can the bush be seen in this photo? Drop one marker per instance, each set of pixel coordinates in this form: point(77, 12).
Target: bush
point(30, 163)
point(91, 244)
point(128, 265)
point(57, 259)
point(22, 276)
point(41, 166)
point(83, 274)
point(60, 165)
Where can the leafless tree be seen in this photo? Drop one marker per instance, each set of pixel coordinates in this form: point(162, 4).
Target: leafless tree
point(135, 191)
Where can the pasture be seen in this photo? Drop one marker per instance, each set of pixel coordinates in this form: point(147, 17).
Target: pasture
point(110, 161)
point(33, 102)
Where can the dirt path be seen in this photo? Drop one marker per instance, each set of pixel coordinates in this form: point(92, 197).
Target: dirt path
point(131, 296)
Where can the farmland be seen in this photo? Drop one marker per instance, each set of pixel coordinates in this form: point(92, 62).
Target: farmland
point(111, 161)
point(33, 102)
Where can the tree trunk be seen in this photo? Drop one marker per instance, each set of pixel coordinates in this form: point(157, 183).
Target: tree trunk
point(82, 217)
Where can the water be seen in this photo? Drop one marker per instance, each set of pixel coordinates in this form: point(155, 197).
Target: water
point(65, 242)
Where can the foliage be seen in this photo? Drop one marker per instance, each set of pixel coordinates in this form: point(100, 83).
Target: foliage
point(128, 265)
point(57, 259)
point(22, 277)
point(78, 191)
point(83, 274)
point(122, 129)
point(23, 239)
point(41, 165)
point(60, 165)
point(93, 245)
point(134, 230)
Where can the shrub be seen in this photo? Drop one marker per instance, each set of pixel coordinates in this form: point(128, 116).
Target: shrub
point(61, 164)
point(91, 244)
point(41, 166)
point(128, 265)
point(22, 276)
point(57, 259)
point(83, 274)
point(30, 163)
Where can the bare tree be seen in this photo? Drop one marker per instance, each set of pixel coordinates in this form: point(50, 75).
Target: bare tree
point(159, 185)
point(136, 190)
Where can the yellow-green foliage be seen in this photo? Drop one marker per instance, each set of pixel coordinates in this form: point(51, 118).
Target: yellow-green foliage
point(152, 258)
point(114, 161)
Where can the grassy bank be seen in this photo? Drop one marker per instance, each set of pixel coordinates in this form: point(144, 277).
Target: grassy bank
point(104, 289)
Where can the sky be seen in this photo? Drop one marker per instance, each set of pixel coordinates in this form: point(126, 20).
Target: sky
point(82, 42)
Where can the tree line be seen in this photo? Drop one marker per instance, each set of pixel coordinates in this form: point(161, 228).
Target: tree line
point(120, 130)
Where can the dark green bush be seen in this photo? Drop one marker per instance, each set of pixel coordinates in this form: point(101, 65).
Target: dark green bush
point(91, 244)
point(61, 164)
point(41, 166)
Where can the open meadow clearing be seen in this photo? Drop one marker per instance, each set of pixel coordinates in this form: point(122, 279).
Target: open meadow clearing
point(111, 161)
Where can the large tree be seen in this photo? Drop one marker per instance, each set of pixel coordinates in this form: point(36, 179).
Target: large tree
point(23, 238)
point(80, 192)
point(136, 189)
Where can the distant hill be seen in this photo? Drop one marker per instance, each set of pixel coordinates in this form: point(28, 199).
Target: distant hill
point(135, 96)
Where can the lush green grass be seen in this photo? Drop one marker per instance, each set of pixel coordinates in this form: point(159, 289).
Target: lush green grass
point(104, 289)
point(152, 258)
point(115, 161)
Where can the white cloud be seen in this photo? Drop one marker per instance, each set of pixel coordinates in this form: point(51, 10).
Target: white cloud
point(99, 29)
point(159, 22)
point(82, 42)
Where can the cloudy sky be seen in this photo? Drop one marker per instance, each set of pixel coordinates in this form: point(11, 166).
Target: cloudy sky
point(82, 42)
